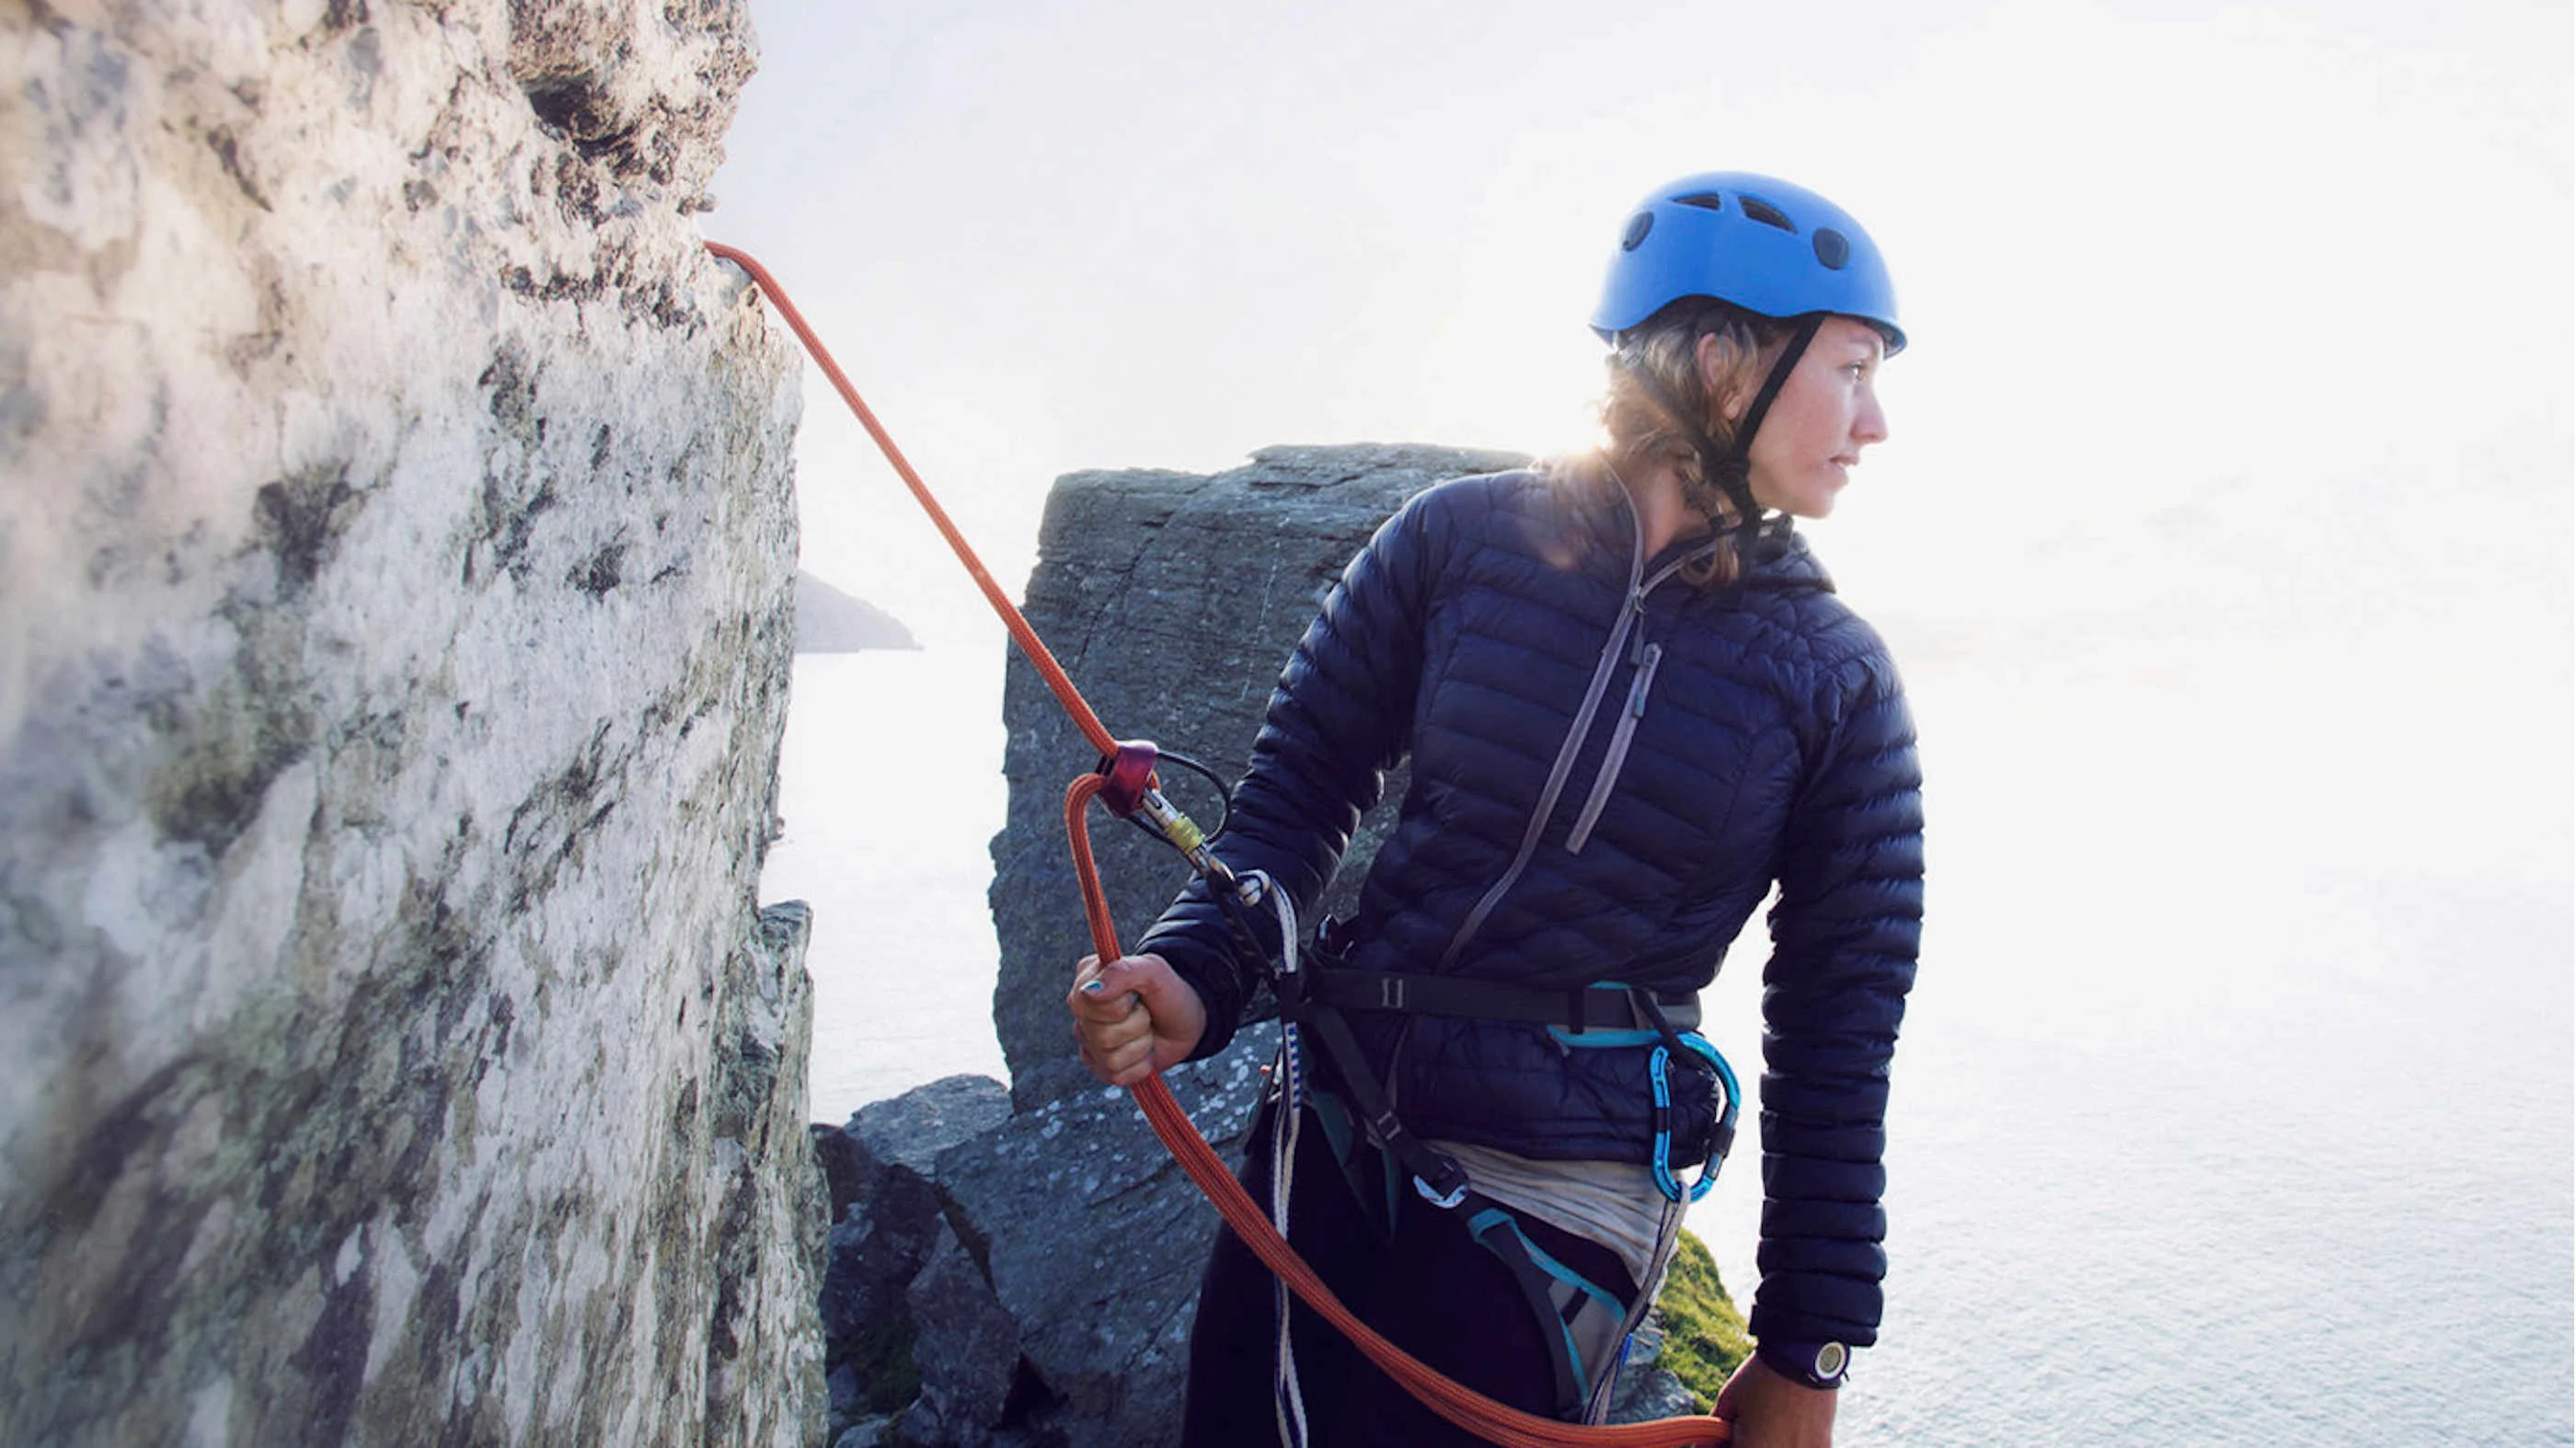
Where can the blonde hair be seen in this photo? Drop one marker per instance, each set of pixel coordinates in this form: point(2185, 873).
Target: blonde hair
point(1657, 361)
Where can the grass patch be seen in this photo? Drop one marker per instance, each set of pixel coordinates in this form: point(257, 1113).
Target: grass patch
point(1704, 1336)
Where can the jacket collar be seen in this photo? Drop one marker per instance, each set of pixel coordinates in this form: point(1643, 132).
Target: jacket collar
point(1599, 508)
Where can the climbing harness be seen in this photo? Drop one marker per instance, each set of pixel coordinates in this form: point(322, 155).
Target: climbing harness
point(1592, 1325)
point(1127, 781)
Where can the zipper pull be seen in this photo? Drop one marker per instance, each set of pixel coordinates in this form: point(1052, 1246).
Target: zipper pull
point(1645, 680)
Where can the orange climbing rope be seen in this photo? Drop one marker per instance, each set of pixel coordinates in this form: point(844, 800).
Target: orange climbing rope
point(1469, 1409)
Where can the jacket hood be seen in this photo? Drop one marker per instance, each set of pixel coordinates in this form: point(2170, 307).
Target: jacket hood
point(1785, 562)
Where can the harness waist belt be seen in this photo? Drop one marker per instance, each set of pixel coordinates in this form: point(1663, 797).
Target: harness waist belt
point(1574, 1008)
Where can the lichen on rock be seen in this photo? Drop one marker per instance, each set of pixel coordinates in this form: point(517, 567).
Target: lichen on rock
point(396, 572)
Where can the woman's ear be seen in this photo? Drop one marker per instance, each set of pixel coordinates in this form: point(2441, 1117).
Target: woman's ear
point(1711, 356)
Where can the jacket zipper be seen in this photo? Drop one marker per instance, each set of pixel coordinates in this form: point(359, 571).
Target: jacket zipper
point(1618, 755)
point(1547, 797)
point(1631, 612)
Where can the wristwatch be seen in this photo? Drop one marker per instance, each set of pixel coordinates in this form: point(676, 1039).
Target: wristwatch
point(1816, 1364)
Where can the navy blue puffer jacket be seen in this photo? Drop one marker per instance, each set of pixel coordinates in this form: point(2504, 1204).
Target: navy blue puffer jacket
point(1611, 768)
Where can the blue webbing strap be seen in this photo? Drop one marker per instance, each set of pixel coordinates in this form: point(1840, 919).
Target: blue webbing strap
point(1588, 1319)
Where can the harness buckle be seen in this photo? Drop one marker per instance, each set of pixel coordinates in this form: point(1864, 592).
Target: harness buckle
point(1445, 1201)
point(1436, 1178)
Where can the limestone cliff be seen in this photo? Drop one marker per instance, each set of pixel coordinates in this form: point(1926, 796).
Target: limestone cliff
point(395, 563)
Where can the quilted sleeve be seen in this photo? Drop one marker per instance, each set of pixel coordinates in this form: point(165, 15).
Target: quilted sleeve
point(1338, 720)
point(1844, 935)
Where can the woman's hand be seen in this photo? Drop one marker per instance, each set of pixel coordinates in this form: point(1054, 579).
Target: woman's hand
point(1771, 1411)
point(1133, 1017)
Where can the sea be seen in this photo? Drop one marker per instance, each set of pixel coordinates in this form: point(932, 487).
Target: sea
point(2234, 1099)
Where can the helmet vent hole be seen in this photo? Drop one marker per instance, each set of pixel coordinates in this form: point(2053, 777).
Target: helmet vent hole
point(1638, 226)
point(1704, 200)
point(1766, 213)
point(1831, 248)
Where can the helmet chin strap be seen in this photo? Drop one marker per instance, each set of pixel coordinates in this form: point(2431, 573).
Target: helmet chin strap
point(1730, 470)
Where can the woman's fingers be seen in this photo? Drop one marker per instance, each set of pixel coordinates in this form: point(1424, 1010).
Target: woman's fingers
point(1132, 1017)
point(1111, 1024)
point(1092, 997)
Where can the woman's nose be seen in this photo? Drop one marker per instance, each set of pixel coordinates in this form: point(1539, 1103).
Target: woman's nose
point(1871, 425)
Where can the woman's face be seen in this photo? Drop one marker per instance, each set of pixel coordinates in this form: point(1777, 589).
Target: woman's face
point(1825, 414)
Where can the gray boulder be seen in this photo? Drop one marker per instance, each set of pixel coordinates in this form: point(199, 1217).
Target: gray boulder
point(1093, 1240)
point(849, 1391)
point(911, 1130)
point(837, 1153)
point(968, 1347)
point(1647, 1391)
point(1175, 599)
point(890, 1218)
point(872, 1255)
point(867, 1434)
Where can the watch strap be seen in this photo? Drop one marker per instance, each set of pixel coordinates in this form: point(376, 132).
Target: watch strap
point(1816, 1364)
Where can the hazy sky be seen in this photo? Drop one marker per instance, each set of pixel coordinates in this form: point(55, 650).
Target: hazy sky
point(2239, 331)
point(2141, 247)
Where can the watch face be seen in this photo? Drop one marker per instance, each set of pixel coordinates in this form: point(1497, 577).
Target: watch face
point(1831, 1359)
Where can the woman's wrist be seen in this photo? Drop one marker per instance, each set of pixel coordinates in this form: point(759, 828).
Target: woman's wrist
point(1818, 1365)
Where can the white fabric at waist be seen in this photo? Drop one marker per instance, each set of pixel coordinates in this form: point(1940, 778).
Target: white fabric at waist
point(1614, 1203)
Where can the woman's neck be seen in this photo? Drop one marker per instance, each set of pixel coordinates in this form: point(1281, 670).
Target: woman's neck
point(1655, 491)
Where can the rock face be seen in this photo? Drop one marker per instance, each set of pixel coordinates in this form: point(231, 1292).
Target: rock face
point(395, 570)
point(1042, 1267)
point(969, 1345)
point(1094, 1240)
point(1174, 599)
point(887, 1223)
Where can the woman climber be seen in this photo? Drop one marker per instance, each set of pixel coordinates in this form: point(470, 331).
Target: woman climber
point(1632, 706)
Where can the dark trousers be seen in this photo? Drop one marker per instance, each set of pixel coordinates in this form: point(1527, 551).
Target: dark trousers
point(1431, 1289)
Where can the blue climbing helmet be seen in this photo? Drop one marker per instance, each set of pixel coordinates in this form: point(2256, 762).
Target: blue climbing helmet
point(1754, 241)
